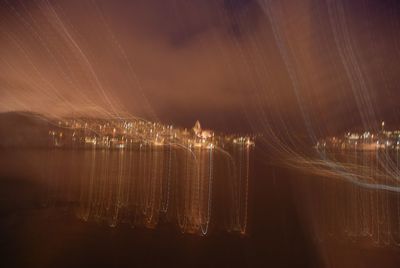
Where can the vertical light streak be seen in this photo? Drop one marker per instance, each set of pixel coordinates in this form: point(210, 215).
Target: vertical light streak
point(148, 184)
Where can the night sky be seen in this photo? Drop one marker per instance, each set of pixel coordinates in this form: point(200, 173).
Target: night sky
point(313, 66)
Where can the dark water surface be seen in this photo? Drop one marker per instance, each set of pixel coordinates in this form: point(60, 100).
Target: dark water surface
point(293, 221)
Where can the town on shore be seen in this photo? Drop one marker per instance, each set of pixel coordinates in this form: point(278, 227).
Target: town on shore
point(365, 141)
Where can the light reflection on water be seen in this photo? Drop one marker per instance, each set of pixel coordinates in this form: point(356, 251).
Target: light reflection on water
point(152, 185)
point(206, 190)
point(347, 197)
point(287, 208)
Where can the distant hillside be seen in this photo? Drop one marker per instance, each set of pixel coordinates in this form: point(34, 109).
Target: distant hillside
point(23, 129)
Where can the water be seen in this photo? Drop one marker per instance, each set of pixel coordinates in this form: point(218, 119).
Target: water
point(63, 208)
